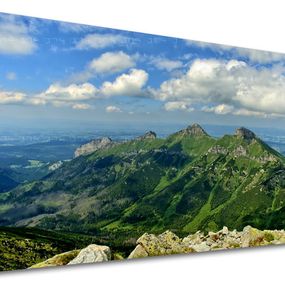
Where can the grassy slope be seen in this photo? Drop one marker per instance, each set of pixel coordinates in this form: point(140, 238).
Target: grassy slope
point(153, 185)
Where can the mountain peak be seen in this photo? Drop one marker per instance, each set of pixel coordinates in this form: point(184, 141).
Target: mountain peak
point(92, 146)
point(147, 135)
point(195, 130)
point(245, 133)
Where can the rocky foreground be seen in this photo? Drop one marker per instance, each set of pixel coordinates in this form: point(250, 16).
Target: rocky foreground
point(168, 243)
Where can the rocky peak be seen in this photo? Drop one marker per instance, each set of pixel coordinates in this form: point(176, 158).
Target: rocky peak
point(245, 133)
point(93, 146)
point(194, 130)
point(148, 135)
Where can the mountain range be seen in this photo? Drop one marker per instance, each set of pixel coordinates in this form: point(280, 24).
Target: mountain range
point(186, 182)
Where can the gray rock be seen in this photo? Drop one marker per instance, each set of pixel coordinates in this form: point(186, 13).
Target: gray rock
point(225, 230)
point(201, 247)
point(147, 136)
point(93, 146)
point(91, 254)
point(138, 252)
point(194, 130)
point(245, 133)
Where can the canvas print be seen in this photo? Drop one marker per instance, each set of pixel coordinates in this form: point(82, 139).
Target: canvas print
point(122, 145)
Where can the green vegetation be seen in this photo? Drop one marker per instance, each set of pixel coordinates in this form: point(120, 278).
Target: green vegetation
point(184, 183)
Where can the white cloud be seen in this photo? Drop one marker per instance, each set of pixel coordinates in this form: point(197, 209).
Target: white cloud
point(11, 76)
point(130, 84)
point(113, 109)
point(111, 62)
point(81, 106)
point(221, 109)
point(228, 83)
point(73, 92)
point(259, 56)
point(35, 101)
point(11, 97)
point(166, 64)
point(177, 105)
point(107, 63)
point(15, 37)
point(224, 109)
point(100, 41)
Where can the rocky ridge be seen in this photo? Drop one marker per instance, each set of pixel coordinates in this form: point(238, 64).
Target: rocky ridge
point(245, 133)
point(93, 146)
point(193, 130)
point(169, 243)
point(148, 135)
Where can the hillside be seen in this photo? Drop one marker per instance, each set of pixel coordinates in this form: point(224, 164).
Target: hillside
point(22, 247)
point(6, 180)
point(186, 182)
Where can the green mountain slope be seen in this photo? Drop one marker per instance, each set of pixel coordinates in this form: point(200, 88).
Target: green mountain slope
point(6, 180)
point(186, 182)
point(22, 247)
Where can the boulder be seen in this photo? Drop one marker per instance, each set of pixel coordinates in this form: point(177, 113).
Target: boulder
point(91, 254)
point(164, 244)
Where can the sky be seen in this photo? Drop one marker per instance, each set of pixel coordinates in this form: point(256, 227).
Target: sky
point(61, 74)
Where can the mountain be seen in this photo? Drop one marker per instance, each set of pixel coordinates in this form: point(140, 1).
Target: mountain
point(93, 146)
point(186, 182)
point(23, 247)
point(6, 181)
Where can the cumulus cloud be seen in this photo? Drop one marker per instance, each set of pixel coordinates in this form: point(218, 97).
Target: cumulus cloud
point(130, 84)
point(177, 105)
point(107, 63)
point(81, 106)
point(11, 97)
point(166, 64)
point(15, 37)
point(224, 109)
point(228, 83)
point(113, 109)
point(73, 92)
point(221, 109)
point(100, 41)
point(112, 62)
point(259, 56)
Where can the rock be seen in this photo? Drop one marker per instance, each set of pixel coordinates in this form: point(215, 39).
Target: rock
point(93, 146)
point(217, 149)
point(201, 247)
point(57, 260)
point(194, 130)
point(245, 133)
point(196, 238)
point(55, 165)
point(138, 252)
point(147, 136)
point(225, 230)
point(91, 254)
point(165, 244)
point(251, 237)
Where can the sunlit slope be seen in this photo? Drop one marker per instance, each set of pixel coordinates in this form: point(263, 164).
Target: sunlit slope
point(186, 182)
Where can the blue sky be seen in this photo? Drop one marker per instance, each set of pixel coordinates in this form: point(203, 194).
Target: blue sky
point(54, 73)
